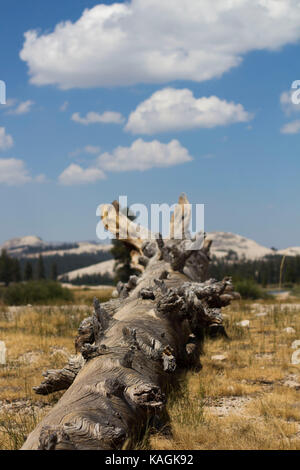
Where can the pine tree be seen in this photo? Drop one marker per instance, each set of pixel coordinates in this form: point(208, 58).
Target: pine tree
point(16, 270)
point(54, 272)
point(6, 268)
point(121, 253)
point(41, 269)
point(28, 271)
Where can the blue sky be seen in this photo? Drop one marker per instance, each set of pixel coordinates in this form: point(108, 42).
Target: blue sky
point(234, 154)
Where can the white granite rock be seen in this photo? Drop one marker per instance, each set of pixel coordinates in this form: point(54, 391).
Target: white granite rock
point(219, 357)
point(289, 330)
point(296, 357)
point(244, 323)
point(2, 353)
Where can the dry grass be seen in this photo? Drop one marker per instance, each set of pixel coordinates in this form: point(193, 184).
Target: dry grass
point(249, 400)
point(29, 339)
point(37, 339)
point(85, 296)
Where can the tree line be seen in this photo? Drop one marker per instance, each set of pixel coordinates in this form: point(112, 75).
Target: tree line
point(11, 271)
point(90, 280)
point(66, 263)
point(48, 267)
point(264, 271)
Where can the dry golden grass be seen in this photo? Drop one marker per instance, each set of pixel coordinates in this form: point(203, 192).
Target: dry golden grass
point(85, 296)
point(242, 402)
point(37, 338)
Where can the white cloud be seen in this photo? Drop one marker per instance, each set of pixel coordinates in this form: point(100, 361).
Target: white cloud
point(139, 156)
point(158, 41)
point(6, 140)
point(23, 108)
point(109, 117)
point(170, 109)
point(144, 156)
point(74, 174)
point(291, 127)
point(13, 172)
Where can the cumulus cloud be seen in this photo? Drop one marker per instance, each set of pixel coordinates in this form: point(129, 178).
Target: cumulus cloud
point(144, 155)
point(140, 156)
point(291, 127)
point(23, 108)
point(109, 117)
point(170, 109)
point(157, 42)
point(6, 140)
point(74, 174)
point(13, 172)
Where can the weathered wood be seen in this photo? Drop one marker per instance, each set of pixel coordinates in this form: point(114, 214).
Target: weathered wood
point(131, 346)
point(61, 379)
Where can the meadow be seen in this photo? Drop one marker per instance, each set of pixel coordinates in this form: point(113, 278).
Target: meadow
point(246, 395)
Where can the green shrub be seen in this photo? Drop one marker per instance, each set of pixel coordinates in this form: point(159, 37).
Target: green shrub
point(35, 292)
point(249, 289)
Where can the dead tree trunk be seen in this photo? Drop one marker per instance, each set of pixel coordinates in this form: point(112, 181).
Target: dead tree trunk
point(131, 346)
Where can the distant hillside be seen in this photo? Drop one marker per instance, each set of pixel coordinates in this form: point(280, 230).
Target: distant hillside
point(66, 256)
point(293, 251)
point(226, 244)
point(91, 259)
point(19, 246)
point(33, 246)
point(99, 272)
point(236, 247)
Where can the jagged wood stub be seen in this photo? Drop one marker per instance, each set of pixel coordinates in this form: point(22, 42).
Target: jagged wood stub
point(130, 347)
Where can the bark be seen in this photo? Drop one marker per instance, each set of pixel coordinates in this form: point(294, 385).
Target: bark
point(129, 350)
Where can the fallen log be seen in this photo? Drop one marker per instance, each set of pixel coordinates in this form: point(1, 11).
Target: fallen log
point(129, 349)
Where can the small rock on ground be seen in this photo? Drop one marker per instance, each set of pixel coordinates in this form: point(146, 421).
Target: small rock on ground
point(296, 344)
point(296, 357)
point(292, 384)
point(244, 323)
point(219, 357)
point(289, 330)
